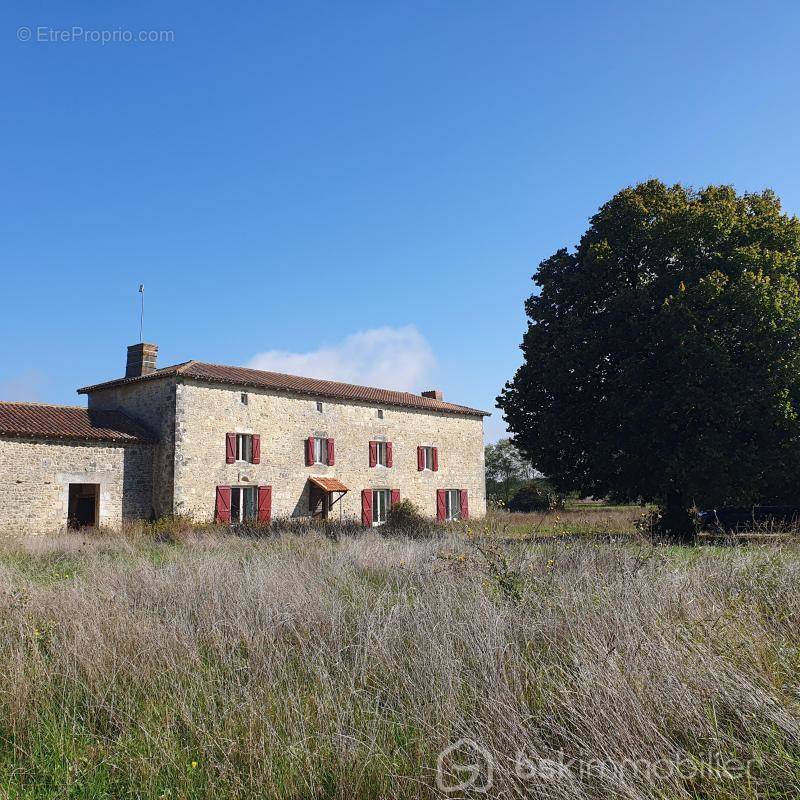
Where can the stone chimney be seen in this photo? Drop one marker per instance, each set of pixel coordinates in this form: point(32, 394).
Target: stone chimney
point(434, 394)
point(141, 360)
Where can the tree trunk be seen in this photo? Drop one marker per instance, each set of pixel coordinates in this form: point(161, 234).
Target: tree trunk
point(676, 521)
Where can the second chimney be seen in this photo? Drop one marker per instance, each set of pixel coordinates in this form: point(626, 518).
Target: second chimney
point(141, 360)
point(434, 394)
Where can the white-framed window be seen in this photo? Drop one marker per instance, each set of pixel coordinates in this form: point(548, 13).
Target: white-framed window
point(244, 447)
point(452, 504)
point(382, 457)
point(381, 503)
point(320, 450)
point(319, 406)
point(427, 458)
point(244, 503)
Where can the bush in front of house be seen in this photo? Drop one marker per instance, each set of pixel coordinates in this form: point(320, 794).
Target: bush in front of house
point(405, 517)
point(535, 496)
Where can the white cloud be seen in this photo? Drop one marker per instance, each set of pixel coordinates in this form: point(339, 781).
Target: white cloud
point(390, 358)
point(25, 386)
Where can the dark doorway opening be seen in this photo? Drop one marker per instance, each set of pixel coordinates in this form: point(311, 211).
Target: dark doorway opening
point(320, 502)
point(83, 505)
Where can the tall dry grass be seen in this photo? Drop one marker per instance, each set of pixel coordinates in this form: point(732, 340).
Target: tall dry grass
point(307, 667)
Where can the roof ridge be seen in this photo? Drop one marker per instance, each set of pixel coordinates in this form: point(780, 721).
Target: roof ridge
point(309, 378)
point(40, 404)
point(299, 384)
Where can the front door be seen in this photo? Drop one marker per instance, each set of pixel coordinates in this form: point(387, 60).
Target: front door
point(320, 502)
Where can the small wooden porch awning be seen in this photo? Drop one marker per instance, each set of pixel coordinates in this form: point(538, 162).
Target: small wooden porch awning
point(328, 484)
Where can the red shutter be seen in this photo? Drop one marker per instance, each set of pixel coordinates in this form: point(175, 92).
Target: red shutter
point(366, 508)
point(310, 451)
point(230, 448)
point(435, 459)
point(373, 454)
point(256, 449)
point(420, 459)
point(441, 506)
point(464, 503)
point(395, 497)
point(223, 511)
point(388, 454)
point(330, 453)
point(265, 504)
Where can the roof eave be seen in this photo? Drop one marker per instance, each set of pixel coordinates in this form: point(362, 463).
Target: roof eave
point(62, 438)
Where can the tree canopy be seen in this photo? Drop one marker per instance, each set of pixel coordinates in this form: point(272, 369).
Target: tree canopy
point(662, 355)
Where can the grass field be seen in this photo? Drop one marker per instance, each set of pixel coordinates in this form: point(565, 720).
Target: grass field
point(302, 666)
point(585, 519)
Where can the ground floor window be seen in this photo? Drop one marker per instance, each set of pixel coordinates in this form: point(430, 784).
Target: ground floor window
point(452, 504)
point(381, 503)
point(244, 503)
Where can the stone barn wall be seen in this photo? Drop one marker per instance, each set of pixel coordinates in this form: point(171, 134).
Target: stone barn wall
point(35, 476)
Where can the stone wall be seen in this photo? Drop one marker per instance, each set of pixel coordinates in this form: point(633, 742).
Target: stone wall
point(35, 477)
point(204, 413)
point(152, 404)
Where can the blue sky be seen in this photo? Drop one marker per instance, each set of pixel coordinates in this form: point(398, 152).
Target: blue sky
point(354, 190)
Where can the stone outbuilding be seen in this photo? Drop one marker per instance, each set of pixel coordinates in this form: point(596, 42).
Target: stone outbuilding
point(235, 444)
point(62, 465)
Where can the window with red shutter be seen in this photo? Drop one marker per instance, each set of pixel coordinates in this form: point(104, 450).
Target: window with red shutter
point(330, 453)
point(256, 457)
point(230, 448)
point(223, 505)
point(395, 497)
point(464, 503)
point(389, 458)
point(366, 508)
point(310, 451)
point(435, 459)
point(265, 504)
point(441, 506)
point(373, 454)
point(420, 459)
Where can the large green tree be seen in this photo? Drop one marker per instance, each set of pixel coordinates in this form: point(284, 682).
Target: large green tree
point(662, 356)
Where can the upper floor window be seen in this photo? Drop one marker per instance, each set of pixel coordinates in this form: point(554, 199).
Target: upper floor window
point(319, 406)
point(380, 413)
point(380, 453)
point(243, 398)
point(428, 458)
point(319, 450)
point(243, 447)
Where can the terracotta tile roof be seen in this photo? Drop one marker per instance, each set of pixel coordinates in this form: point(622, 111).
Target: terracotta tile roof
point(39, 421)
point(256, 378)
point(328, 484)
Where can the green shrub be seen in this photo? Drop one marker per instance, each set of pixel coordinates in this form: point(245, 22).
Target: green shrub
point(535, 497)
point(405, 517)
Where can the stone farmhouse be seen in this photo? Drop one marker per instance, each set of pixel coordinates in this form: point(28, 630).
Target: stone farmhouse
point(235, 444)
